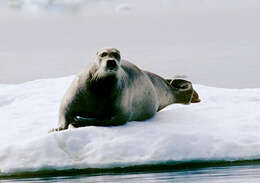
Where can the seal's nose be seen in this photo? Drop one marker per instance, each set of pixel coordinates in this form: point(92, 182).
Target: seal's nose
point(111, 64)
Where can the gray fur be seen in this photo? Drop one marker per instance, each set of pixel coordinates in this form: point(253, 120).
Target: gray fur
point(103, 97)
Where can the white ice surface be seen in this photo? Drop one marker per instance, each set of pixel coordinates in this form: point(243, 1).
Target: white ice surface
point(224, 126)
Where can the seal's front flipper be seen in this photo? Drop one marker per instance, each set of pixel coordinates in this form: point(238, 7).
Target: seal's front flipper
point(183, 91)
point(79, 118)
point(56, 129)
point(82, 122)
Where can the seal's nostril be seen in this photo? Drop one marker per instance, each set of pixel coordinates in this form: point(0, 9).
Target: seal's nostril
point(111, 64)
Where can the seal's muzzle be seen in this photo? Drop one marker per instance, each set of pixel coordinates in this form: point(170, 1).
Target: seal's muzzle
point(111, 64)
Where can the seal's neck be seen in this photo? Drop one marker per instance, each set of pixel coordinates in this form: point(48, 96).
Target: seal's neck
point(105, 84)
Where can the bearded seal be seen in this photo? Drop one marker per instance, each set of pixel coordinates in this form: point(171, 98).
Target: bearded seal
point(111, 92)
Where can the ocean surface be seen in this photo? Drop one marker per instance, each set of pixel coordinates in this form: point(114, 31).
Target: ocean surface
point(213, 43)
point(230, 174)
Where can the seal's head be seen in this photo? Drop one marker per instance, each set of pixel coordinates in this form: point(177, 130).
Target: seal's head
point(108, 59)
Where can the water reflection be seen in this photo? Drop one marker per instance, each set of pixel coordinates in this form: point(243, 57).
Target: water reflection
point(234, 174)
point(46, 5)
point(61, 6)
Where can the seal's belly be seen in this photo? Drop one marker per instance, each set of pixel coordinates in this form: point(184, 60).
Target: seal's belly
point(95, 106)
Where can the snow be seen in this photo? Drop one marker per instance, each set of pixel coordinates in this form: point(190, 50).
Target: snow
point(224, 126)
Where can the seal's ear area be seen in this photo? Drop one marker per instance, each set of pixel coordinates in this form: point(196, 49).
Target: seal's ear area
point(183, 91)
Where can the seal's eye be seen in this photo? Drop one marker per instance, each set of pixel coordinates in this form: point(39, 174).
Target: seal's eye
point(115, 55)
point(103, 54)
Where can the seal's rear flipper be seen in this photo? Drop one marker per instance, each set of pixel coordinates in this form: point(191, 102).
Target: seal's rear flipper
point(183, 91)
point(195, 97)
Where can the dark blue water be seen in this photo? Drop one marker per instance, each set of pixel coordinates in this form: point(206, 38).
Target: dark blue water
point(236, 174)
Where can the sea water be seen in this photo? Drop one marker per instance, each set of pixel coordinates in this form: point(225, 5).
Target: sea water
point(234, 174)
